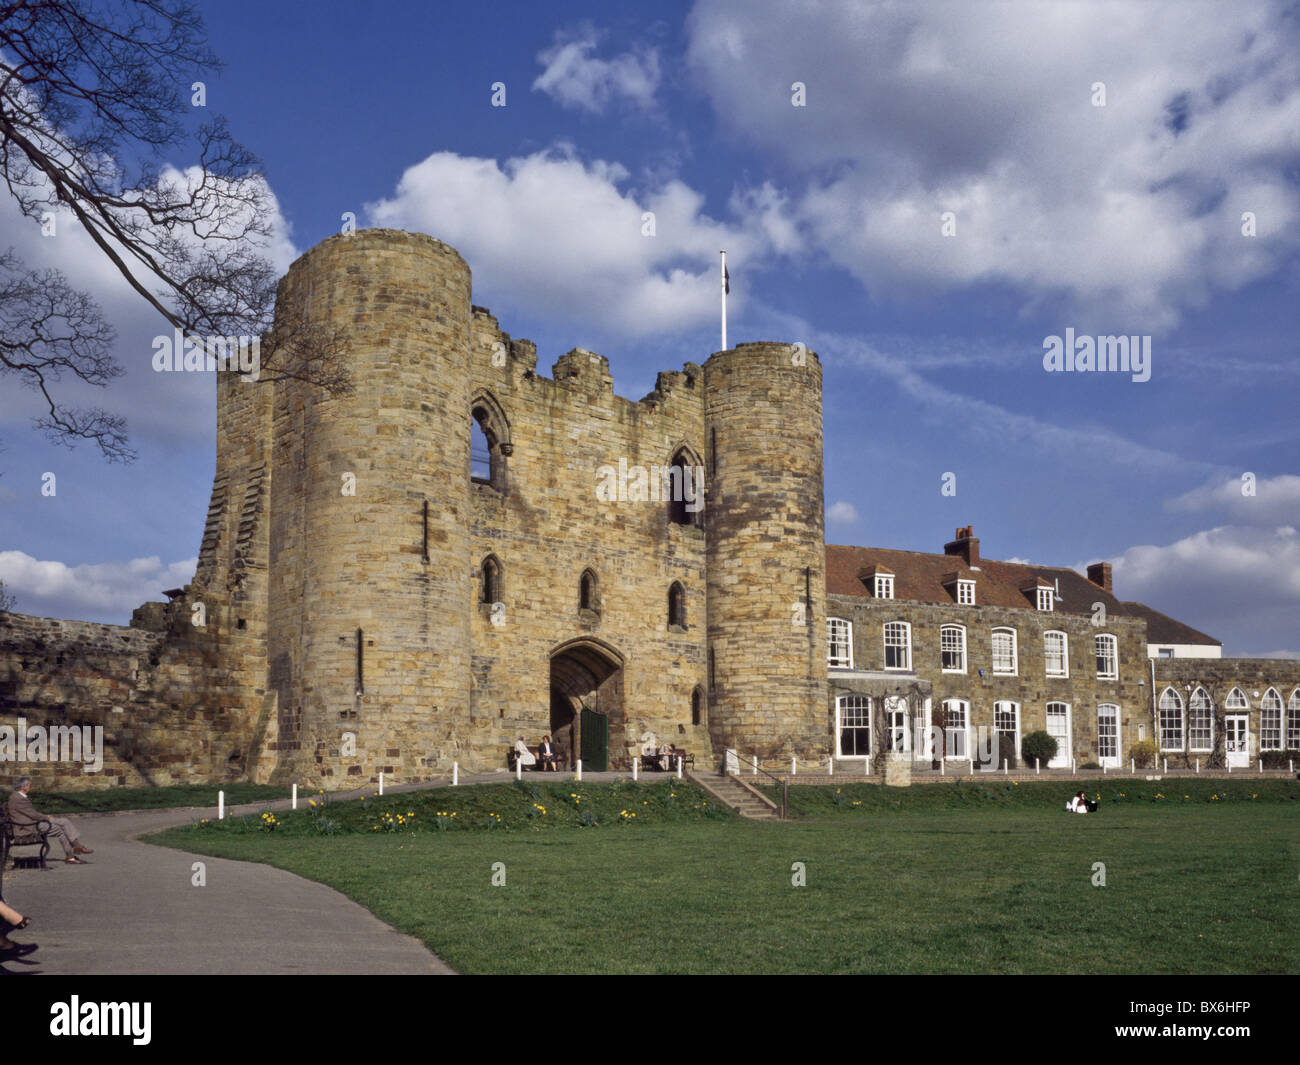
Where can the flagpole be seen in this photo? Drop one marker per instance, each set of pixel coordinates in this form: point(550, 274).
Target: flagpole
point(724, 301)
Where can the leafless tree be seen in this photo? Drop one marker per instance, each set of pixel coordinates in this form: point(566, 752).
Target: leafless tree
point(93, 94)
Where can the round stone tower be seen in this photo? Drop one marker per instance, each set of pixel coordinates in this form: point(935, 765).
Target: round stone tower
point(368, 641)
point(765, 542)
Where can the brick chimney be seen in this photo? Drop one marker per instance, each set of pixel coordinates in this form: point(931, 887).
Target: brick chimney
point(1099, 574)
point(965, 545)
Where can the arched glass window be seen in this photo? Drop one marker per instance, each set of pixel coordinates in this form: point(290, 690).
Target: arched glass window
point(1200, 721)
point(1293, 722)
point(1270, 721)
point(1169, 722)
point(1236, 700)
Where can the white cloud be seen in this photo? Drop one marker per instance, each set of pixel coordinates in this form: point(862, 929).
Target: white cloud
point(1274, 499)
point(94, 591)
point(1240, 584)
point(557, 235)
point(574, 78)
point(985, 111)
point(841, 513)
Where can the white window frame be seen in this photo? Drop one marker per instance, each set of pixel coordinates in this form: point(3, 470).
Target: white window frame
point(1236, 700)
point(1264, 727)
point(1003, 706)
point(834, 661)
point(1065, 654)
point(952, 732)
point(1292, 735)
point(906, 645)
point(1115, 759)
point(1045, 597)
point(1113, 643)
point(1200, 708)
point(884, 586)
point(1163, 707)
point(966, 593)
point(1064, 751)
point(1015, 657)
point(842, 704)
point(960, 649)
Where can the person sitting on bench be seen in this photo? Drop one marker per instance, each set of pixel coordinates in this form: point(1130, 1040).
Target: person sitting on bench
point(546, 754)
point(523, 755)
point(22, 814)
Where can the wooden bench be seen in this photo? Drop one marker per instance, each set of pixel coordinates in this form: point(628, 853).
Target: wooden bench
point(36, 835)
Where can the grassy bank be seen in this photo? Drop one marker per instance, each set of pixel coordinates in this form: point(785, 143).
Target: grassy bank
point(1004, 883)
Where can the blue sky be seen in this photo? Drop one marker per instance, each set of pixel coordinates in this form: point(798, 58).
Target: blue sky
point(1120, 219)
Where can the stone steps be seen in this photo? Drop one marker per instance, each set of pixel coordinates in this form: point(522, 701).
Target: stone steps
point(730, 792)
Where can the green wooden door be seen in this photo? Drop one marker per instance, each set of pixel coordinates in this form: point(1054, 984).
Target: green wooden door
point(595, 741)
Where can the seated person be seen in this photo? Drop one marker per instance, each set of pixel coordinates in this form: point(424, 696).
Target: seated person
point(546, 754)
point(23, 814)
point(666, 757)
point(1078, 804)
point(523, 756)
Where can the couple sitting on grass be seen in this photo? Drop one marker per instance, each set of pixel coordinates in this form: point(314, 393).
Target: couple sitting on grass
point(1081, 804)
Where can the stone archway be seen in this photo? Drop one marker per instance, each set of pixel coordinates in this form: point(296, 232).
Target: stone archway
point(585, 671)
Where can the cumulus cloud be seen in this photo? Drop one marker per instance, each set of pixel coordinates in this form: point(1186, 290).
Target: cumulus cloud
point(105, 591)
point(559, 235)
point(1233, 582)
point(1246, 498)
point(1131, 211)
point(841, 513)
point(576, 79)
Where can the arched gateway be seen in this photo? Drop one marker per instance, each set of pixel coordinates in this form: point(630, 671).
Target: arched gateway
point(587, 718)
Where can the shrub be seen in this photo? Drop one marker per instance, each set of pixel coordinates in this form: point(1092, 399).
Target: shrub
point(1038, 748)
point(1090, 765)
point(1280, 759)
point(1143, 753)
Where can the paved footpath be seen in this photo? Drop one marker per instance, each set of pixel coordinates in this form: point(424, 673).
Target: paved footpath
point(131, 909)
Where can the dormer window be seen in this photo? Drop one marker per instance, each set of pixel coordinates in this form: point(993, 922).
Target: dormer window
point(1044, 598)
point(884, 587)
point(966, 593)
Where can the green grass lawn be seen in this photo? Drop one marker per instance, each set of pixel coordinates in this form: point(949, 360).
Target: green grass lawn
point(929, 879)
point(112, 799)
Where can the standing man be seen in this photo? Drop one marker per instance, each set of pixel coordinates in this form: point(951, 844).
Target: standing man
point(22, 813)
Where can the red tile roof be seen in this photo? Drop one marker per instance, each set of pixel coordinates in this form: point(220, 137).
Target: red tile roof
point(919, 578)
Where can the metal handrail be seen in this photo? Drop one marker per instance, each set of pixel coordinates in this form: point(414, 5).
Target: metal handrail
point(785, 784)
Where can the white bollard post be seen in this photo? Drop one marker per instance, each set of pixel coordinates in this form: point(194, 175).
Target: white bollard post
point(1038, 765)
point(1166, 765)
point(221, 806)
point(455, 774)
point(1291, 763)
point(578, 775)
point(381, 783)
point(830, 766)
point(519, 768)
point(866, 767)
point(1261, 765)
point(1073, 769)
point(793, 770)
point(1198, 765)
point(679, 767)
point(634, 768)
point(295, 796)
point(1229, 767)
point(1132, 765)
point(943, 770)
point(1103, 769)
point(1004, 767)
point(753, 760)
point(972, 766)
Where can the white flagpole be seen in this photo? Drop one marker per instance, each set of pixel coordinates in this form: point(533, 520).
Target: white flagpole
point(724, 301)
